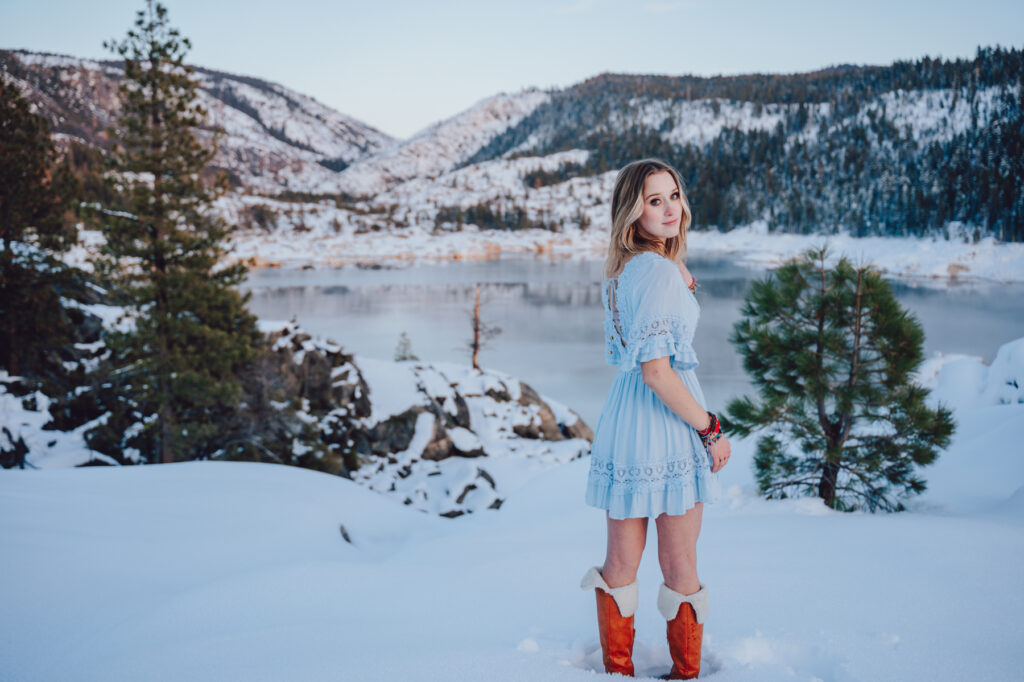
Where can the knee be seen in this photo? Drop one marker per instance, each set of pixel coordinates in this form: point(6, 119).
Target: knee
point(619, 570)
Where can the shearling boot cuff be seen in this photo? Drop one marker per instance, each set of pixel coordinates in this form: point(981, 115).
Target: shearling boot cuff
point(669, 602)
point(626, 597)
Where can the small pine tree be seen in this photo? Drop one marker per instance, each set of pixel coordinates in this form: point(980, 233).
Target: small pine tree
point(403, 351)
point(35, 195)
point(178, 367)
point(832, 354)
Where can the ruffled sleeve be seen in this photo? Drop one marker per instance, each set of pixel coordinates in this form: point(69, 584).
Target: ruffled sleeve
point(664, 318)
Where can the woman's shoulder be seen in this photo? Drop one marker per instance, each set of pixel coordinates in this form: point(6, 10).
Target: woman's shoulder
point(651, 265)
point(642, 262)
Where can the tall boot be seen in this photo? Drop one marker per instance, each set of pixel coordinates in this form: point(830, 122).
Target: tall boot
point(615, 609)
point(685, 623)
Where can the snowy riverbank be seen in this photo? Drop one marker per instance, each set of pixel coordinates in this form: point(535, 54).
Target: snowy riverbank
point(240, 571)
point(924, 259)
point(935, 260)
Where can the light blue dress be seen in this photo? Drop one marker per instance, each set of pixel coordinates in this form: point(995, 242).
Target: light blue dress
point(645, 459)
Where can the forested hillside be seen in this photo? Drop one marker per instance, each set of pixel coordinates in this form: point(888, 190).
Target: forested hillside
point(901, 149)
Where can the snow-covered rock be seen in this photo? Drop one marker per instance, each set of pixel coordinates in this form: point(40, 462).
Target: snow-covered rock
point(473, 436)
point(443, 438)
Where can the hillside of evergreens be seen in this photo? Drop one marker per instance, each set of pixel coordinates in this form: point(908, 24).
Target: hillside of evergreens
point(846, 154)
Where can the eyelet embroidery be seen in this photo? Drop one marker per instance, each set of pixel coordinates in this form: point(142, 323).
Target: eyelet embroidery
point(647, 477)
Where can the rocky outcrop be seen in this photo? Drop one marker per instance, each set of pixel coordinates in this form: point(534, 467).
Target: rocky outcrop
point(441, 437)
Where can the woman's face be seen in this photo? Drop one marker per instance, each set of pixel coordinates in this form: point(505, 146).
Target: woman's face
point(663, 207)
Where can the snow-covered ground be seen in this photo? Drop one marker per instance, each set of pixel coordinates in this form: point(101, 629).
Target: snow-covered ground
point(242, 571)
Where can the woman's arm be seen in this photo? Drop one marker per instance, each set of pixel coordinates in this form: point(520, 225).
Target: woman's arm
point(669, 387)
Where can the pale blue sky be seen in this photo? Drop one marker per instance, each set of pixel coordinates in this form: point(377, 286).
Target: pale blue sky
point(401, 65)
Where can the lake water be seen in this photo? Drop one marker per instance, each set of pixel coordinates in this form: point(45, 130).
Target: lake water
point(552, 323)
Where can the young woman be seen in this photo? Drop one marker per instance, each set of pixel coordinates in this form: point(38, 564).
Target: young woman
point(656, 447)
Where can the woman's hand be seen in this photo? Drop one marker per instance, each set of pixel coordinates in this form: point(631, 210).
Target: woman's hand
point(720, 452)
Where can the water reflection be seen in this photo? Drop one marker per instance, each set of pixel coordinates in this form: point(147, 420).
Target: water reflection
point(551, 319)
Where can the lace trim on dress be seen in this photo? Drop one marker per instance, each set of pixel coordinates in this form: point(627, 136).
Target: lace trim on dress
point(654, 476)
point(655, 338)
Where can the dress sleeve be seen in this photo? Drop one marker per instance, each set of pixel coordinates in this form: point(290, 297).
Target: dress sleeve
point(660, 326)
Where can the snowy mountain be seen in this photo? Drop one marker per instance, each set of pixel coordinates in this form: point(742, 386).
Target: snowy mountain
point(274, 139)
point(437, 148)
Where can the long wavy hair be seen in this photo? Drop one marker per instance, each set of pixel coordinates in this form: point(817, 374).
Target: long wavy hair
point(628, 205)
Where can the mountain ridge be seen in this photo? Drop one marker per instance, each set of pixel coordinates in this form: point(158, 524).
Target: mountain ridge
point(903, 149)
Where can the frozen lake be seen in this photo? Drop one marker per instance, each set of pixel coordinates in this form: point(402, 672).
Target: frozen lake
point(551, 319)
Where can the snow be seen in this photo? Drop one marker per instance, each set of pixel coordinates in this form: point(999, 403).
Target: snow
point(230, 571)
point(696, 121)
point(46, 449)
point(934, 115)
point(1005, 381)
point(392, 388)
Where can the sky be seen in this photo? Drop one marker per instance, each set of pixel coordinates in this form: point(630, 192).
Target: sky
point(401, 65)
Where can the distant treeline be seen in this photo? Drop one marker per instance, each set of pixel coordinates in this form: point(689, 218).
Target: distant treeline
point(822, 168)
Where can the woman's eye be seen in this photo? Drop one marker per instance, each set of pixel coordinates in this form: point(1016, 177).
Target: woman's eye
point(654, 202)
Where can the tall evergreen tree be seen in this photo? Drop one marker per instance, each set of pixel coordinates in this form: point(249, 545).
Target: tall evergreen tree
point(35, 194)
point(832, 354)
point(191, 335)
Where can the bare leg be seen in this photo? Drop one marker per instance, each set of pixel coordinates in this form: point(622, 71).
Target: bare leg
point(677, 549)
point(626, 540)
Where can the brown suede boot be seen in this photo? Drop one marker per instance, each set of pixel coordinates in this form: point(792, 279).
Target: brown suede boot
point(685, 625)
point(615, 612)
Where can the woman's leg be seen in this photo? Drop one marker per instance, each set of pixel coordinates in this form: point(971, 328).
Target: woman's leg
point(617, 592)
point(626, 541)
point(677, 549)
point(682, 599)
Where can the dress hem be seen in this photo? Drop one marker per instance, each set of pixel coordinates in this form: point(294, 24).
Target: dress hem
point(674, 501)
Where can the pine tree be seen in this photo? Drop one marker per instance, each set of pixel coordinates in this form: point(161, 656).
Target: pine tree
point(832, 354)
point(35, 195)
point(192, 335)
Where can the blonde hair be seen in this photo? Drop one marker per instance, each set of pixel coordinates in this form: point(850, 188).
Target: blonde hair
point(627, 207)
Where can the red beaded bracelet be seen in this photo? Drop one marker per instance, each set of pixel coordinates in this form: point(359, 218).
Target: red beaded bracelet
point(712, 433)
